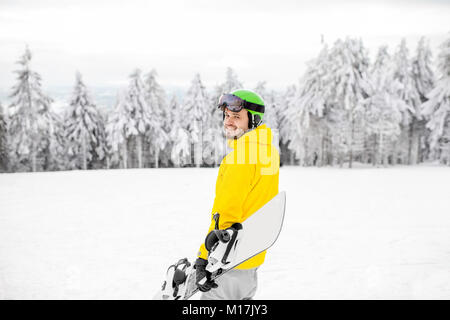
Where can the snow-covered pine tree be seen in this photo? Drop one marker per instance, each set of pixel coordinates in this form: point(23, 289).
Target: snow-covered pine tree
point(111, 155)
point(437, 109)
point(286, 103)
point(195, 110)
point(27, 126)
point(156, 96)
point(156, 138)
point(409, 102)
point(349, 87)
point(4, 149)
point(117, 131)
point(85, 131)
point(53, 143)
point(140, 121)
point(180, 142)
point(422, 69)
point(424, 79)
point(306, 117)
point(382, 117)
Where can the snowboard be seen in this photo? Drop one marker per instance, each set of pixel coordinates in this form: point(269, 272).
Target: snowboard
point(259, 232)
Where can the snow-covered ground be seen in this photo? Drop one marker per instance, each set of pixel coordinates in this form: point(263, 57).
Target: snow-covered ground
point(348, 234)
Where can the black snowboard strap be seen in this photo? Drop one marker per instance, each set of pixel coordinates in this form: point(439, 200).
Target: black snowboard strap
point(236, 227)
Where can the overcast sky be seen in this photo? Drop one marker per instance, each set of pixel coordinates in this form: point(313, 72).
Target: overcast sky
point(262, 40)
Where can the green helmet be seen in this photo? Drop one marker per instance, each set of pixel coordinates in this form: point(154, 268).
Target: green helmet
point(248, 100)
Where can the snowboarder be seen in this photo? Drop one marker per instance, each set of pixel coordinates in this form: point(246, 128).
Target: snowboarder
point(247, 179)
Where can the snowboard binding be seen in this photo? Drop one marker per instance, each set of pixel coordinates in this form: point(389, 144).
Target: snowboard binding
point(221, 245)
point(175, 285)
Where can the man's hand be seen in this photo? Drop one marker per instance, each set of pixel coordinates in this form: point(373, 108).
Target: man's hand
point(200, 273)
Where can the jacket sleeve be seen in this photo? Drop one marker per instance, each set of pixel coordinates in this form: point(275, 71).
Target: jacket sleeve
point(231, 193)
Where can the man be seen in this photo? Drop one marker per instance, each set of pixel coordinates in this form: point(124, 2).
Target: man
point(247, 179)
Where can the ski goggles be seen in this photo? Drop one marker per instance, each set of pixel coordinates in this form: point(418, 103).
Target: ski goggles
point(236, 104)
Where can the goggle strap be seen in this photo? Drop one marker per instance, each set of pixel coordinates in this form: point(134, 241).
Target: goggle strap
point(254, 106)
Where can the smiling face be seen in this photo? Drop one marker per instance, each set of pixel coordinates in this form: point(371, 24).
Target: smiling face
point(235, 124)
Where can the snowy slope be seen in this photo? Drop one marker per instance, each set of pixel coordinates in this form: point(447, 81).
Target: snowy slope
point(360, 233)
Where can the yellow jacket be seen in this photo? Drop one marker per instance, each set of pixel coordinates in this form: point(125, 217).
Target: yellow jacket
point(247, 179)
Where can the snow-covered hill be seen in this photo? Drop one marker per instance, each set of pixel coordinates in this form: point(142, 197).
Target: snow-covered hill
point(360, 233)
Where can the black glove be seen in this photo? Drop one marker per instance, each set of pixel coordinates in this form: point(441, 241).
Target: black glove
point(200, 273)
